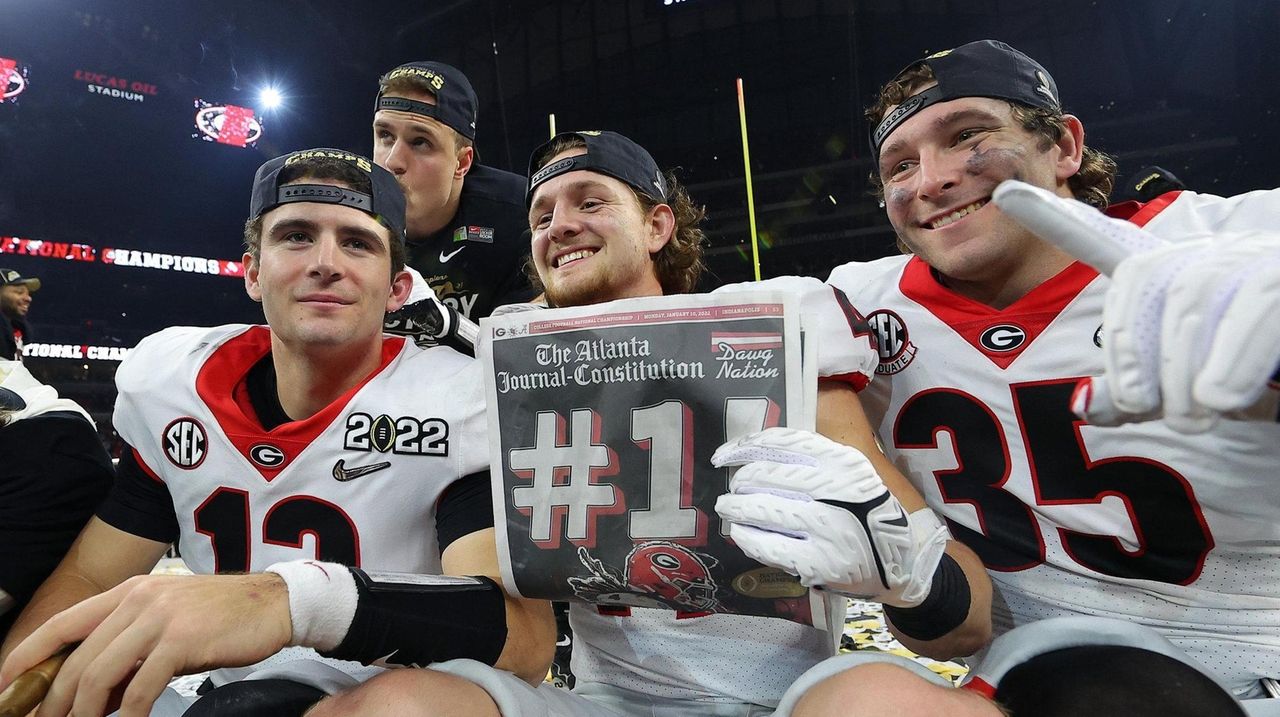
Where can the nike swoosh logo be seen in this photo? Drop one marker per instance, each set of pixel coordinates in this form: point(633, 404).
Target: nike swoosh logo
point(344, 474)
point(446, 257)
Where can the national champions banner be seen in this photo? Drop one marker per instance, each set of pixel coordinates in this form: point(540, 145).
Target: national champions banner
point(602, 423)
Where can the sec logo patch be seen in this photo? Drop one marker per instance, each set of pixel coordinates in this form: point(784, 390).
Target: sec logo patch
point(185, 443)
point(893, 342)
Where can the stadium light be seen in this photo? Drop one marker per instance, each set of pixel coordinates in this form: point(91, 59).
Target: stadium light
point(270, 98)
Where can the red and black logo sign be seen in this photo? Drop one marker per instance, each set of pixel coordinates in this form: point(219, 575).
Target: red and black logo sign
point(185, 443)
point(226, 124)
point(13, 79)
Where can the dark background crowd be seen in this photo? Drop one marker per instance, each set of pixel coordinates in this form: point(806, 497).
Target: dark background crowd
point(1185, 84)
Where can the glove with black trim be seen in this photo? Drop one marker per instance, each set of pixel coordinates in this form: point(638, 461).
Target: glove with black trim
point(817, 509)
point(430, 322)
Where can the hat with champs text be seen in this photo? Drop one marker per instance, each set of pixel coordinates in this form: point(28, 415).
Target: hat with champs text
point(455, 101)
point(386, 204)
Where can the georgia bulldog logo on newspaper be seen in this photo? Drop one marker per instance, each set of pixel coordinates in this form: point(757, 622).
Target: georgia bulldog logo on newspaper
point(893, 342)
point(185, 443)
point(657, 573)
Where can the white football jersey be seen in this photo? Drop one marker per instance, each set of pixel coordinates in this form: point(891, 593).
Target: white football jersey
point(721, 657)
point(357, 483)
point(1138, 522)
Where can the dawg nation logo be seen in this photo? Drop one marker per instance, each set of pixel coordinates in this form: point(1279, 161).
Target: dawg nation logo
point(226, 124)
point(13, 79)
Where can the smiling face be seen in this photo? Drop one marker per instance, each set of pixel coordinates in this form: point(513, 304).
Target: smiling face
point(323, 274)
point(591, 239)
point(426, 159)
point(939, 169)
point(15, 300)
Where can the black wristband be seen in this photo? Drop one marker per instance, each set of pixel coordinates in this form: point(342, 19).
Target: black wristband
point(417, 622)
point(943, 611)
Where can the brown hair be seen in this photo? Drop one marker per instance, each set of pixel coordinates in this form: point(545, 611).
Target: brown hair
point(323, 168)
point(1092, 184)
point(678, 264)
point(408, 83)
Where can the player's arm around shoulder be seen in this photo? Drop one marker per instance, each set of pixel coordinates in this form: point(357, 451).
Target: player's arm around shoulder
point(841, 418)
point(531, 626)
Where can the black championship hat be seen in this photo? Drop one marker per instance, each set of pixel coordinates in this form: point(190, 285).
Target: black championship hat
point(455, 106)
point(13, 277)
point(985, 68)
point(608, 153)
point(386, 205)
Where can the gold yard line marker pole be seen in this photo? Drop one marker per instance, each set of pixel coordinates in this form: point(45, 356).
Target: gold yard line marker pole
point(551, 121)
point(746, 165)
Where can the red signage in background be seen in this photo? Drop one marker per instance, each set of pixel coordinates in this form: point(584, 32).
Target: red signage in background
point(120, 257)
point(13, 79)
point(226, 124)
point(99, 83)
point(47, 249)
point(235, 125)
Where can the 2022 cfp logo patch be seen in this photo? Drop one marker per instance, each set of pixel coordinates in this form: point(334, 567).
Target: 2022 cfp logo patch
point(185, 443)
point(405, 435)
point(266, 455)
point(892, 341)
point(1002, 338)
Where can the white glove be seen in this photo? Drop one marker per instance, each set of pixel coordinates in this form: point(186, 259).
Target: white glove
point(1190, 331)
point(429, 321)
point(817, 509)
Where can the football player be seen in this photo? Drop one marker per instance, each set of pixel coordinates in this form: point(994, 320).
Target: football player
point(314, 437)
point(985, 331)
point(465, 220)
point(607, 224)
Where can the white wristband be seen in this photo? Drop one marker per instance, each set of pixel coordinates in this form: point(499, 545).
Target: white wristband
point(322, 601)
